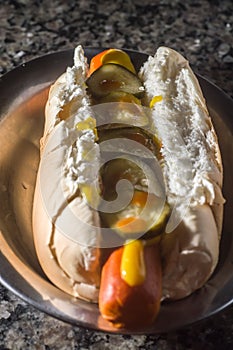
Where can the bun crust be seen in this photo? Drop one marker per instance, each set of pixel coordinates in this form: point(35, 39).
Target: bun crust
point(61, 258)
point(73, 267)
point(192, 170)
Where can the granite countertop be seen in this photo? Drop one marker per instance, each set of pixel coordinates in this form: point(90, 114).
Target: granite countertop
point(203, 32)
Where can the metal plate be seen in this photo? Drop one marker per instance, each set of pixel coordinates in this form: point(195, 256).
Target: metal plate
point(23, 93)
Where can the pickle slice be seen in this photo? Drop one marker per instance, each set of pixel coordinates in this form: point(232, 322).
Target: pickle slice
point(120, 96)
point(113, 77)
point(137, 134)
point(159, 225)
point(118, 169)
point(140, 225)
point(144, 218)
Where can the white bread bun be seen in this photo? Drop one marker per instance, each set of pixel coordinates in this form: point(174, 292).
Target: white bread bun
point(192, 165)
point(192, 171)
point(70, 266)
point(70, 262)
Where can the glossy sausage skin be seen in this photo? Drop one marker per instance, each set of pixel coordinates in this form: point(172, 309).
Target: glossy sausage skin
point(127, 306)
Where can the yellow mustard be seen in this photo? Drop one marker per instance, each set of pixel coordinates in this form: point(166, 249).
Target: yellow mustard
point(155, 99)
point(87, 124)
point(118, 57)
point(89, 193)
point(133, 269)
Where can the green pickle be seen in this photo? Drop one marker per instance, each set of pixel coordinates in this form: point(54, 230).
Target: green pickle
point(145, 214)
point(113, 78)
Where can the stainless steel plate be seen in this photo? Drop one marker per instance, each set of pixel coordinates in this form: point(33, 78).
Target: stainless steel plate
point(23, 94)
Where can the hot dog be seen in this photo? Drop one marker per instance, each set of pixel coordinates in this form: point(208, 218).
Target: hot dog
point(177, 253)
point(129, 305)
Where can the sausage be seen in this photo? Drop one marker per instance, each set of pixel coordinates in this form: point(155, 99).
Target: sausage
point(131, 306)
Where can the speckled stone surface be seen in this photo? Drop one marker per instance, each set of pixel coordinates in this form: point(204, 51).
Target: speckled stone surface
point(200, 30)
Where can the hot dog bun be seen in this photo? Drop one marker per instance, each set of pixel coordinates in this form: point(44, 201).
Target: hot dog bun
point(192, 164)
point(73, 267)
point(192, 170)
